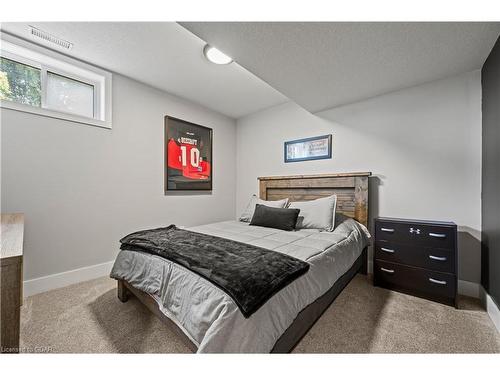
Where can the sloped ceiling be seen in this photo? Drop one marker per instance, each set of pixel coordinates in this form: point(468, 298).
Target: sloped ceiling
point(317, 65)
point(325, 65)
point(163, 55)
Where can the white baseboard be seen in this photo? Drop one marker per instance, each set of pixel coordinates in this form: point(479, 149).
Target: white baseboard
point(491, 308)
point(468, 288)
point(59, 280)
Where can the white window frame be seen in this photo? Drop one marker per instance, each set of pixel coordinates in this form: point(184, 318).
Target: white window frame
point(46, 60)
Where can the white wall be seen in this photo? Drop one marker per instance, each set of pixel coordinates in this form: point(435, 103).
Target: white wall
point(82, 188)
point(422, 144)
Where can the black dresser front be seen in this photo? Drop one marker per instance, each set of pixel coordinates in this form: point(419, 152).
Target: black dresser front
point(417, 257)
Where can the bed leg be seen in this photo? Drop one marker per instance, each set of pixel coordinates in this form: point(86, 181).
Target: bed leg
point(364, 265)
point(123, 292)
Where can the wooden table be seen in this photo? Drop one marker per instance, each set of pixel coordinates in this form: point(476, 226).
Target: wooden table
point(11, 279)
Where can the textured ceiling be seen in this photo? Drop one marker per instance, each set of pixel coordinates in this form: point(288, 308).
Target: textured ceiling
point(324, 65)
point(318, 65)
point(163, 55)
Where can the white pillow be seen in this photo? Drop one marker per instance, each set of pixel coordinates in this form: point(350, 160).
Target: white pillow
point(249, 211)
point(316, 214)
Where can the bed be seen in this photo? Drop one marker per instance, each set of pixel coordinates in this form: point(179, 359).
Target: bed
point(208, 319)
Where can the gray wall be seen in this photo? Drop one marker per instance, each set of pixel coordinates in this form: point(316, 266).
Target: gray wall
point(422, 144)
point(491, 174)
point(82, 188)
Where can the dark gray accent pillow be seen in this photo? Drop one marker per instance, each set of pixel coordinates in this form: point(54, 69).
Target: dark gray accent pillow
point(246, 215)
point(279, 218)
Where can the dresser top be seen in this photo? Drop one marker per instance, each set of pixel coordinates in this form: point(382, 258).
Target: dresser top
point(430, 222)
point(12, 235)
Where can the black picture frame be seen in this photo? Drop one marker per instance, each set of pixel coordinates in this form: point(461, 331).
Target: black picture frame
point(327, 155)
point(175, 180)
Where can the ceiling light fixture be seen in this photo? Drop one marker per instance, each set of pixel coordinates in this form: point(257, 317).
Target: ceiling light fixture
point(50, 38)
point(215, 56)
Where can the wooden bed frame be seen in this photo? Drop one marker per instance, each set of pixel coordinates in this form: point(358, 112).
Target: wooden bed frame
point(352, 200)
point(351, 190)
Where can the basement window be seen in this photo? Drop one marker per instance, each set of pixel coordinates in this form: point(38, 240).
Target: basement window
point(36, 80)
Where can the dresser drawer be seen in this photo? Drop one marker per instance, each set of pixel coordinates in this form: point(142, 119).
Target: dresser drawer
point(421, 282)
point(415, 233)
point(417, 256)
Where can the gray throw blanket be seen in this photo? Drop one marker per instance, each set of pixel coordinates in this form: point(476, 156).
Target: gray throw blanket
point(250, 275)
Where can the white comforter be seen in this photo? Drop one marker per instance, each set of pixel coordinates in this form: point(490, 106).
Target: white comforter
point(210, 318)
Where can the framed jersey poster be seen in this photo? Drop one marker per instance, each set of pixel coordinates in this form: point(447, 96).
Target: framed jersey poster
point(188, 155)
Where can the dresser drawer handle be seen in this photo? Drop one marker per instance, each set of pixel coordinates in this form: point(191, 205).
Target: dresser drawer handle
point(440, 282)
point(437, 235)
point(433, 257)
point(390, 230)
point(386, 270)
point(386, 250)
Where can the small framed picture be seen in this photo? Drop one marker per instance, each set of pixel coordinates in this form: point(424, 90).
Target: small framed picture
point(188, 155)
point(313, 148)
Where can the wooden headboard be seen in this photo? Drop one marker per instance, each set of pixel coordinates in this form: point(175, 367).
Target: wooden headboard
point(351, 190)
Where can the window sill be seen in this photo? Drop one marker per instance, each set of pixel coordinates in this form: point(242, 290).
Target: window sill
point(7, 104)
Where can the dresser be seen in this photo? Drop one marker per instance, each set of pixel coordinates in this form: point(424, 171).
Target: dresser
point(11, 278)
point(417, 257)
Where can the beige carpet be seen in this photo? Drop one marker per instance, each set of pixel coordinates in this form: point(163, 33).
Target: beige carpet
point(88, 318)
